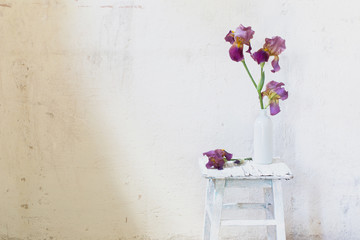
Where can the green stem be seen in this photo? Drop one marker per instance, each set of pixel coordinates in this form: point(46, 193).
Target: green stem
point(239, 161)
point(261, 100)
point(245, 159)
point(267, 105)
point(259, 90)
point(247, 70)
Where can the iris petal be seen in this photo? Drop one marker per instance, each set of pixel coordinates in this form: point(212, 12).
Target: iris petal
point(236, 54)
point(275, 45)
point(221, 164)
point(275, 64)
point(244, 34)
point(272, 85)
point(260, 56)
point(219, 153)
point(249, 49)
point(228, 156)
point(209, 164)
point(230, 37)
point(209, 153)
point(283, 94)
point(274, 107)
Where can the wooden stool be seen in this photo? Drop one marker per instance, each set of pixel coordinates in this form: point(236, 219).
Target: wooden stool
point(246, 175)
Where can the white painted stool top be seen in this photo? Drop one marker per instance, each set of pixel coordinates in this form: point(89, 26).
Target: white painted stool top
point(247, 170)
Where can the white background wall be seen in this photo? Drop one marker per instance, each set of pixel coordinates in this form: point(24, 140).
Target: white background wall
point(107, 105)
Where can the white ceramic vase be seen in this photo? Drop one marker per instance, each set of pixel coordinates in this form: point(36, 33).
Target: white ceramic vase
point(263, 139)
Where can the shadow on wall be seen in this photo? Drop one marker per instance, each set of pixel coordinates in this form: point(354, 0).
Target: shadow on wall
point(64, 169)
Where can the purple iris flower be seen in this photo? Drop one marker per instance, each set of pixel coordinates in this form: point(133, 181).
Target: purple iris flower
point(272, 47)
point(241, 36)
point(217, 158)
point(274, 91)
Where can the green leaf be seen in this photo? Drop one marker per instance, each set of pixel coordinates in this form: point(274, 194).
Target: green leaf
point(261, 82)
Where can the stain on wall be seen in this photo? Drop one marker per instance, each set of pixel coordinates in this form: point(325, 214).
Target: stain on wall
point(5, 5)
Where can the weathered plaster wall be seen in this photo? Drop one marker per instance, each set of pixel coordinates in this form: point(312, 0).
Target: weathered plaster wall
point(107, 105)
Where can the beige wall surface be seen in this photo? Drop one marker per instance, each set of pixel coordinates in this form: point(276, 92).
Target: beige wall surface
point(105, 107)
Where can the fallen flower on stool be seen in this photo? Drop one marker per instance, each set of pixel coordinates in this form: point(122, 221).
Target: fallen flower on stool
point(218, 158)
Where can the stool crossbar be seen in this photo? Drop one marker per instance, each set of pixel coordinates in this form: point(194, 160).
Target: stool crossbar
point(247, 175)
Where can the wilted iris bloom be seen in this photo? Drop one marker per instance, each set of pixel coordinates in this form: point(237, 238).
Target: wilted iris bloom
point(217, 158)
point(274, 91)
point(272, 47)
point(241, 36)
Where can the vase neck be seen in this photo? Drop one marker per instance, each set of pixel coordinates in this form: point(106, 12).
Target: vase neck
point(263, 112)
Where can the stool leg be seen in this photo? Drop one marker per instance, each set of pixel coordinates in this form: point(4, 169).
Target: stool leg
point(216, 209)
point(278, 210)
point(269, 210)
point(209, 202)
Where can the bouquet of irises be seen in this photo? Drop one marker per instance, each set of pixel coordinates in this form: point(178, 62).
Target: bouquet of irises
point(271, 48)
point(274, 90)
